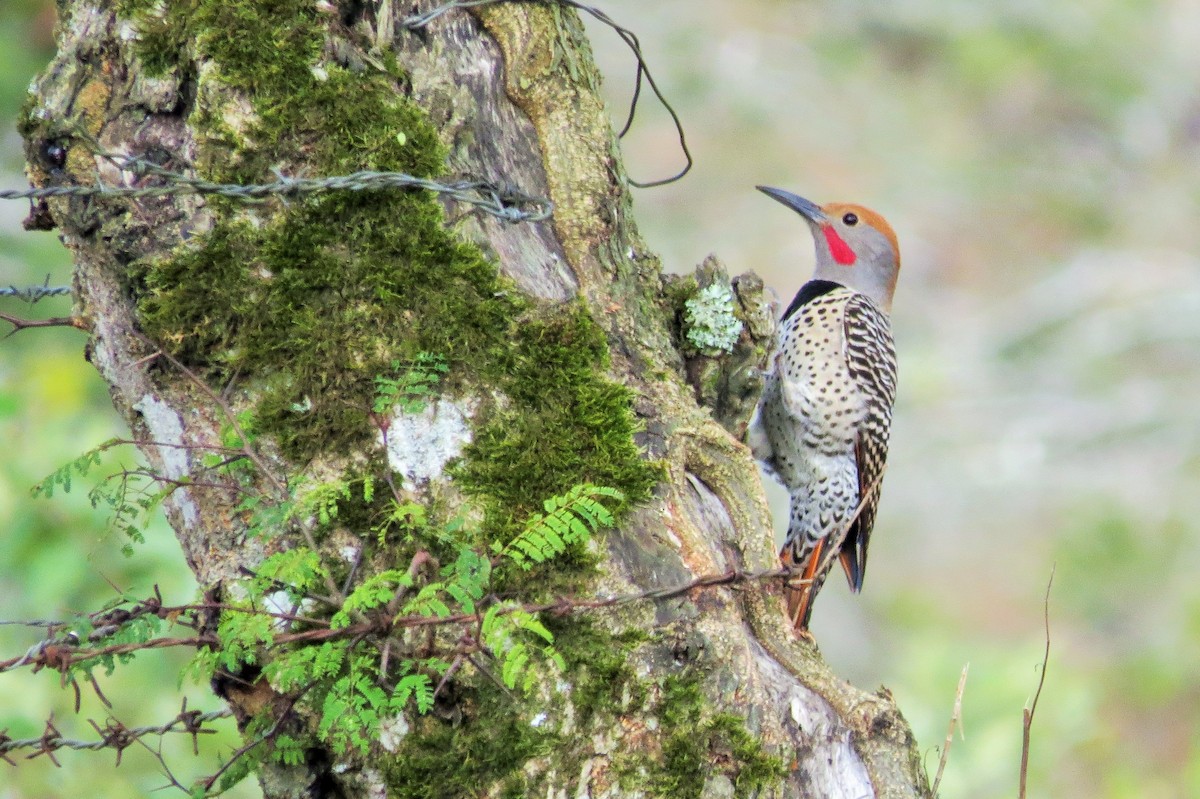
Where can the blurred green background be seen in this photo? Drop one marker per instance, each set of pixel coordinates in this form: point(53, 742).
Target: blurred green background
point(1041, 164)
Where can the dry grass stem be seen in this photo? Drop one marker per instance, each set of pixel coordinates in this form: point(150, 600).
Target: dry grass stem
point(955, 721)
point(1027, 726)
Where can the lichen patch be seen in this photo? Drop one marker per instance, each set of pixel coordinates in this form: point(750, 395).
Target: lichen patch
point(419, 445)
point(166, 428)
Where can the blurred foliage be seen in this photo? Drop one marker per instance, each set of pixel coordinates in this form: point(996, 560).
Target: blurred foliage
point(1040, 163)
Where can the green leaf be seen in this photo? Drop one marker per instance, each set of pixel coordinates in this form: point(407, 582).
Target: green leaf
point(529, 622)
point(461, 596)
point(569, 518)
point(419, 687)
point(514, 663)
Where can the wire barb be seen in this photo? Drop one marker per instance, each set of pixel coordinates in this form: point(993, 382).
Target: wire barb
point(112, 735)
point(31, 294)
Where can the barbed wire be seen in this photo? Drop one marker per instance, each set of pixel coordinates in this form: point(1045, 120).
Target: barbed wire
point(31, 294)
point(113, 735)
point(417, 21)
point(503, 202)
point(61, 652)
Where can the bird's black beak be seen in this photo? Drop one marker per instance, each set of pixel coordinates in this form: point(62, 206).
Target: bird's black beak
point(806, 208)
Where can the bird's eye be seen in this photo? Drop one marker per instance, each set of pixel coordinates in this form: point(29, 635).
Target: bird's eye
point(850, 219)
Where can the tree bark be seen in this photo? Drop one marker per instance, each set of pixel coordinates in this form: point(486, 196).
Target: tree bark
point(710, 693)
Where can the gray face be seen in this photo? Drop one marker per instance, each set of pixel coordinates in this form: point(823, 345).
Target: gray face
point(874, 269)
point(856, 247)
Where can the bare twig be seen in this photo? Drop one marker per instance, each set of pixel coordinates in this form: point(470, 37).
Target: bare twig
point(450, 672)
point(1031, 708)
point(55, 321)
point(175, 485)
point(486, 672)
point(266, 736)
point(156, 753)
point(955, 721)
point(414, 567)
point(418, 21)
point(141, 442)
point(276, 483)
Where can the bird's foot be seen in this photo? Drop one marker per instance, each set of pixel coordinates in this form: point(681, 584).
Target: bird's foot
point(805, 636)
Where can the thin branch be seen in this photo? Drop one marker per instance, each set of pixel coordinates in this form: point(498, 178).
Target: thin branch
point(486, 672)
point(55, 321)
point(450, 672)
point(414, 567)
point(139, 442)
point(157, 754)
point(955, 721)
point(175, 485)
point(266, 736)
point(1028, 712)
point(279, 486)
point(418, 21)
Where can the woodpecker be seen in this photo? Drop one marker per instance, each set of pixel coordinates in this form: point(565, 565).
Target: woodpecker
point(822, 426)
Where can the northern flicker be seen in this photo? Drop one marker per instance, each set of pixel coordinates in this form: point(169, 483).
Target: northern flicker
point(822, 425)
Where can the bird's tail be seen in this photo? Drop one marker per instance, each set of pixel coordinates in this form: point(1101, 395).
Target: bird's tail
point(801, 589)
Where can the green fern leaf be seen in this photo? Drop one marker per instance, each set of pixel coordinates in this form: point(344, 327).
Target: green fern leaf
point(461, 596)
point(420, 688)
point(514, 663)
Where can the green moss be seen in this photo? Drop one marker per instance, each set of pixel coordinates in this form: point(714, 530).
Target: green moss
point(443, 759)
point(567, 423)
point(315, 317)
point(695, 747)
point(315, 302)
point(303, 304)
point(694, 743)
point(319, 299)
point(602, 679)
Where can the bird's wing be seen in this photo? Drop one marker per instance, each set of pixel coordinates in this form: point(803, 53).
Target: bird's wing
point(871, 360)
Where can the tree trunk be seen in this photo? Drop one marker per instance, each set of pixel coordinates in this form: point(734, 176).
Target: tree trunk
point(272, 327)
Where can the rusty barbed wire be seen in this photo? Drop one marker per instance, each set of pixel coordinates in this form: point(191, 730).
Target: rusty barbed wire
point(57, 652)
point(62, 652)
point(113, 735)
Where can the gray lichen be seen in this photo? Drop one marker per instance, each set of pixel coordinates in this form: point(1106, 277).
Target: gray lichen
point(709, 321)
point(419, 445)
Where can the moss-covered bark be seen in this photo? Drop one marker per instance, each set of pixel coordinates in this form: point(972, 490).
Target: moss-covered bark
point(566, 366)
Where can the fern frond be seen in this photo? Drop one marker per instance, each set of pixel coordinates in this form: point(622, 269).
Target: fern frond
point(570, 518)
point(414, 686)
